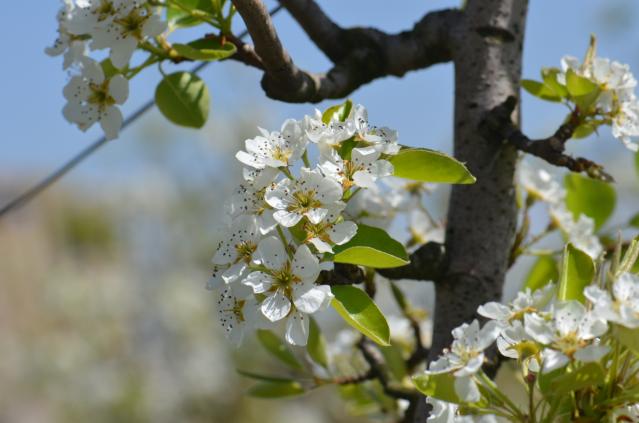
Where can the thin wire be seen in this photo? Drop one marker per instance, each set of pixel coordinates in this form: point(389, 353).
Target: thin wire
point(45, 183)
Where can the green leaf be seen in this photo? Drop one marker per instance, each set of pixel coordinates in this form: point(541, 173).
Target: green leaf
point(425, 165)
point(361, 312)
point(627, 337)
point(545, 380)
point(395, 361)
point(273, 344)
point(590, 374)
point(595, 199)
point(634, 221)
point(543, 272)
point(268, 390)
point(263, 378)
point(205, 49)
point(371, 247)
point(399, 296)
point(549, 76)
point(583, 91)
point(339, 112)
point(540, 90)
point(440, 386)
point(183, 98)
point(178, 17)
point(585, 129)
point(316, 345)
point(578, 270)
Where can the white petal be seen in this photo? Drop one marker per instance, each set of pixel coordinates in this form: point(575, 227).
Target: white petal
point(342, 232)
point(553, 360)
point(154, 26)
point(259, 281)
point(322, 247)
point(297, 327)
point(364, 179)
point(234, 272)
point(270, 253)
point(122, 51)
point(467, 389)
point(119, 88)
point(316, 215)
point(592, 353)
point(311, 300)
point(111, 122)
point(287, 219)
point(276, 307)
point(305, 264)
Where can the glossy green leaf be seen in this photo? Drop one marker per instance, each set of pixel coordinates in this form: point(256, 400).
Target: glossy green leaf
point(583, 91)
point(627, 337)
point(183, 98)
point(395, 361)
point(539, 89)
point(584, 130)
point(440, 386)
point(578, 271)
point(543, 272)
point(316, 345)
point(273, 344)
point(590, 374)
point(549, 76)
point(361, 312)
point(205, 49)
point(594, 198)
point(425, 165)
point(545, 381)
point(179, 17)
point(268, 390)
point(339, 112)
point(371, 247)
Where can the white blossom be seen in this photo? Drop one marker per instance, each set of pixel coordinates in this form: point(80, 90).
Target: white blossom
point(362, 169)
point(331, 134)
point(247, 200)
point(312, 195)
point(274, 149)
point(568, 332)
point(72, 46)
point(325, 234)
point(466, 356)
point(423, 229)
point(540, 184)
point(382, 139)
point(623, 306)
point(91, 97)
point(525, 302)
point(370, 207)
point(237, 311)
point(289, 286)
point(580, 232)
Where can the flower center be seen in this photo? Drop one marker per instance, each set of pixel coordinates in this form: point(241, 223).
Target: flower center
point(100, 94)
point(133, 23)
point(281, 154)
point(304, 201)
point(245, 251)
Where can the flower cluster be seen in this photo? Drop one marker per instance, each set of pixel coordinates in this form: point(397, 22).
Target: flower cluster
point(544, 335)
point(120, 26)
point(541, 186)
point(616, 103)
point(287, 216)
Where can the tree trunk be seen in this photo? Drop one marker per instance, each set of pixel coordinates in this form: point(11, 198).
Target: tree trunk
point(482, 217)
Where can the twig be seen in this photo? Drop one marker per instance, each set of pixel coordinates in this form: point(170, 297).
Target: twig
point(425, 264)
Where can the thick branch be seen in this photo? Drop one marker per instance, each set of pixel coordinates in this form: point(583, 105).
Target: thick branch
point(425, 264)
point(360, 55)
point(552, 149)
point(342, 274)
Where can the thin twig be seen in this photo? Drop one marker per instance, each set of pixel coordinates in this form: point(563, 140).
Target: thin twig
point(45, 183)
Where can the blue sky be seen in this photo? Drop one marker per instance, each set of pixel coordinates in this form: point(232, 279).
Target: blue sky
point(35, 138)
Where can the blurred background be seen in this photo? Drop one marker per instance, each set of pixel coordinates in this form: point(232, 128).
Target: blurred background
point(103, 312)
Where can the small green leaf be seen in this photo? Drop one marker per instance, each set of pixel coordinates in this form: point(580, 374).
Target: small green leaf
point(183, 98)
point(399, 296)
point(425, 165)
point(585, 129)
point(595, 199)
point(395, 361)
point(316, 345)
point(543, 272)
point(545, 381)
point(540, 90)
point(577, 273)
point(549, 76)
point(578, 85)
point(590, 374)
point(361, 312)
point(371, 247)
point(268, 390)
point(627, 337)
point(263, 378)
point(634, 221)
point(205, 49)
point(178, 17)
point(273, 344)
point(440, 386)
point(339, 112)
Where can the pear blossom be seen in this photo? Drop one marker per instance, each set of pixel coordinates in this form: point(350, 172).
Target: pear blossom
point(289, 286)
point(237, 311)
point(540, 184)
point(568, 332)
point(235, 251)
point(362, 169)
point(526, 301)
point(382, 139)
point(312, 195)
point(623, 306)
point(274, 149)
point(331, 134)
point(72, 46)
point(580, 232)
point(247, 200)
point(370, 207)
point(424, 229)
point(91, 97)
point(514, 342)
point(466, 356)
point(406, 195)
point(326, 233)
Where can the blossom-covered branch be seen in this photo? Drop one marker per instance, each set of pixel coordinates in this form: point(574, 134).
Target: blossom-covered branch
point(498, 125)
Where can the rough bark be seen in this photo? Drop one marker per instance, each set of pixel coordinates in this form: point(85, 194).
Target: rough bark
point(481, 217)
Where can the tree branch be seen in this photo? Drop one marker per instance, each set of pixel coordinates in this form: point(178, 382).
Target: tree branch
point(425, 264)
point(360, 55)
point(498, 123)
point(342, 274)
